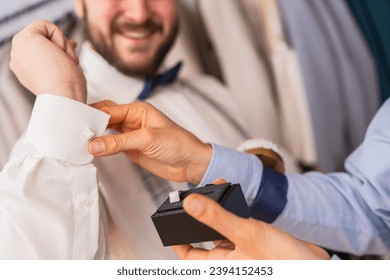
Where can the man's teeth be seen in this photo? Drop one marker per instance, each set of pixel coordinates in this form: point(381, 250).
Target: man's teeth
point(137, 34)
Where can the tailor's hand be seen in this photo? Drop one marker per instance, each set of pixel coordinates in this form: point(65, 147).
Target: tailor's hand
point(247, 238)
point(153, 141)
point(44, 61)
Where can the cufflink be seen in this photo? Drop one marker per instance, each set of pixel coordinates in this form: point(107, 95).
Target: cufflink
point(175, 196)
point(88, 134)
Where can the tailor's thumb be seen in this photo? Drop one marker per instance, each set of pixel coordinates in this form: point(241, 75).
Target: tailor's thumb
point(107, 145)
point(210, 213)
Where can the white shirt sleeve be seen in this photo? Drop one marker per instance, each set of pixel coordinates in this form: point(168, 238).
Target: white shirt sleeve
point(48, 194)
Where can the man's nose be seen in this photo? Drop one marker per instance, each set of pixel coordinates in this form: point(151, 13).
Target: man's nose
point(136, 10)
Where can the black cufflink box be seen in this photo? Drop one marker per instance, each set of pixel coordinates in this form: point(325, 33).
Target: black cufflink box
point(175, 226)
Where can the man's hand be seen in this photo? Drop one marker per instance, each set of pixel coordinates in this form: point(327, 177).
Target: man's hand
point(44, 61)
point(247, 238)
point(153, 141)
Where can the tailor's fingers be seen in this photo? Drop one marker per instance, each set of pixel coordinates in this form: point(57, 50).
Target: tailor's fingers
point(102, 104)
point(71, 50)
point(219, 181)
point(224, 244)
point(187, 252)
point(137, 115)
point(113, 144)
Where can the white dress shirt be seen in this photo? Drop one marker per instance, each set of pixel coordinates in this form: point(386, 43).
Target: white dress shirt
point(49, 204)
point(48, 195)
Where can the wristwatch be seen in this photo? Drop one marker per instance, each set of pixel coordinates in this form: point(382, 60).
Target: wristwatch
point(269, 153)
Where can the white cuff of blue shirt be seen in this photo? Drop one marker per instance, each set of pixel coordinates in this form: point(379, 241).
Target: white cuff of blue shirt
point(61, 128)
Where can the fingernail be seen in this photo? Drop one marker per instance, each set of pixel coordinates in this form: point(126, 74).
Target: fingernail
point(194, 206)
point(96, 147)
point(220, 181)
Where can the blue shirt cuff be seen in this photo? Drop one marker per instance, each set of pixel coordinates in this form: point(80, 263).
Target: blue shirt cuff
point(272, 196)
point(265, 190)
point(235, 167)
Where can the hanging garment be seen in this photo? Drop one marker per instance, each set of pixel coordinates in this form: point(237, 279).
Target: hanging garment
point(293, 107)
point(339, 75)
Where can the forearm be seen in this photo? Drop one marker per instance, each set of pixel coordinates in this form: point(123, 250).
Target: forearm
point(338, 211)
point(333, 211)
point(347, 211)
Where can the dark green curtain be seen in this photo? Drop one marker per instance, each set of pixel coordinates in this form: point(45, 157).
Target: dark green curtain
point(373, 17)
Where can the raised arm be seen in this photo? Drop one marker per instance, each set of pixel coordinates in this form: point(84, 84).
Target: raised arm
point(48, 193)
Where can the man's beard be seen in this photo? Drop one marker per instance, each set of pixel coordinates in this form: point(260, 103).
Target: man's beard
point(110, 54)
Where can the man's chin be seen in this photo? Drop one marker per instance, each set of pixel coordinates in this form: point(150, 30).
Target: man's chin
point(133, 68)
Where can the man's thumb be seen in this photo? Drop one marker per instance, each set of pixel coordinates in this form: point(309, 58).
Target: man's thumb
point(210, 213)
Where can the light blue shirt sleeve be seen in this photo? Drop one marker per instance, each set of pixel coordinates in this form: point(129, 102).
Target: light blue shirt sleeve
point(264, 189)
point(348, 211)
point(235, 167)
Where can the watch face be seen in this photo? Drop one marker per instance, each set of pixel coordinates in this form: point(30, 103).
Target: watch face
point(269, 153)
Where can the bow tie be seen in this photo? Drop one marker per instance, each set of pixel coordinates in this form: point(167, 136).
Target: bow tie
point(160, 79)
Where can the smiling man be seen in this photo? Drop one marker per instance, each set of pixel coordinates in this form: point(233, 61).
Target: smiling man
point(127, 42)
point(122, 62)
point(132, 36)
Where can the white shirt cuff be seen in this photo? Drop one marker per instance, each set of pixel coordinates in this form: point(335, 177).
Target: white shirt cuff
point(61, 128)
